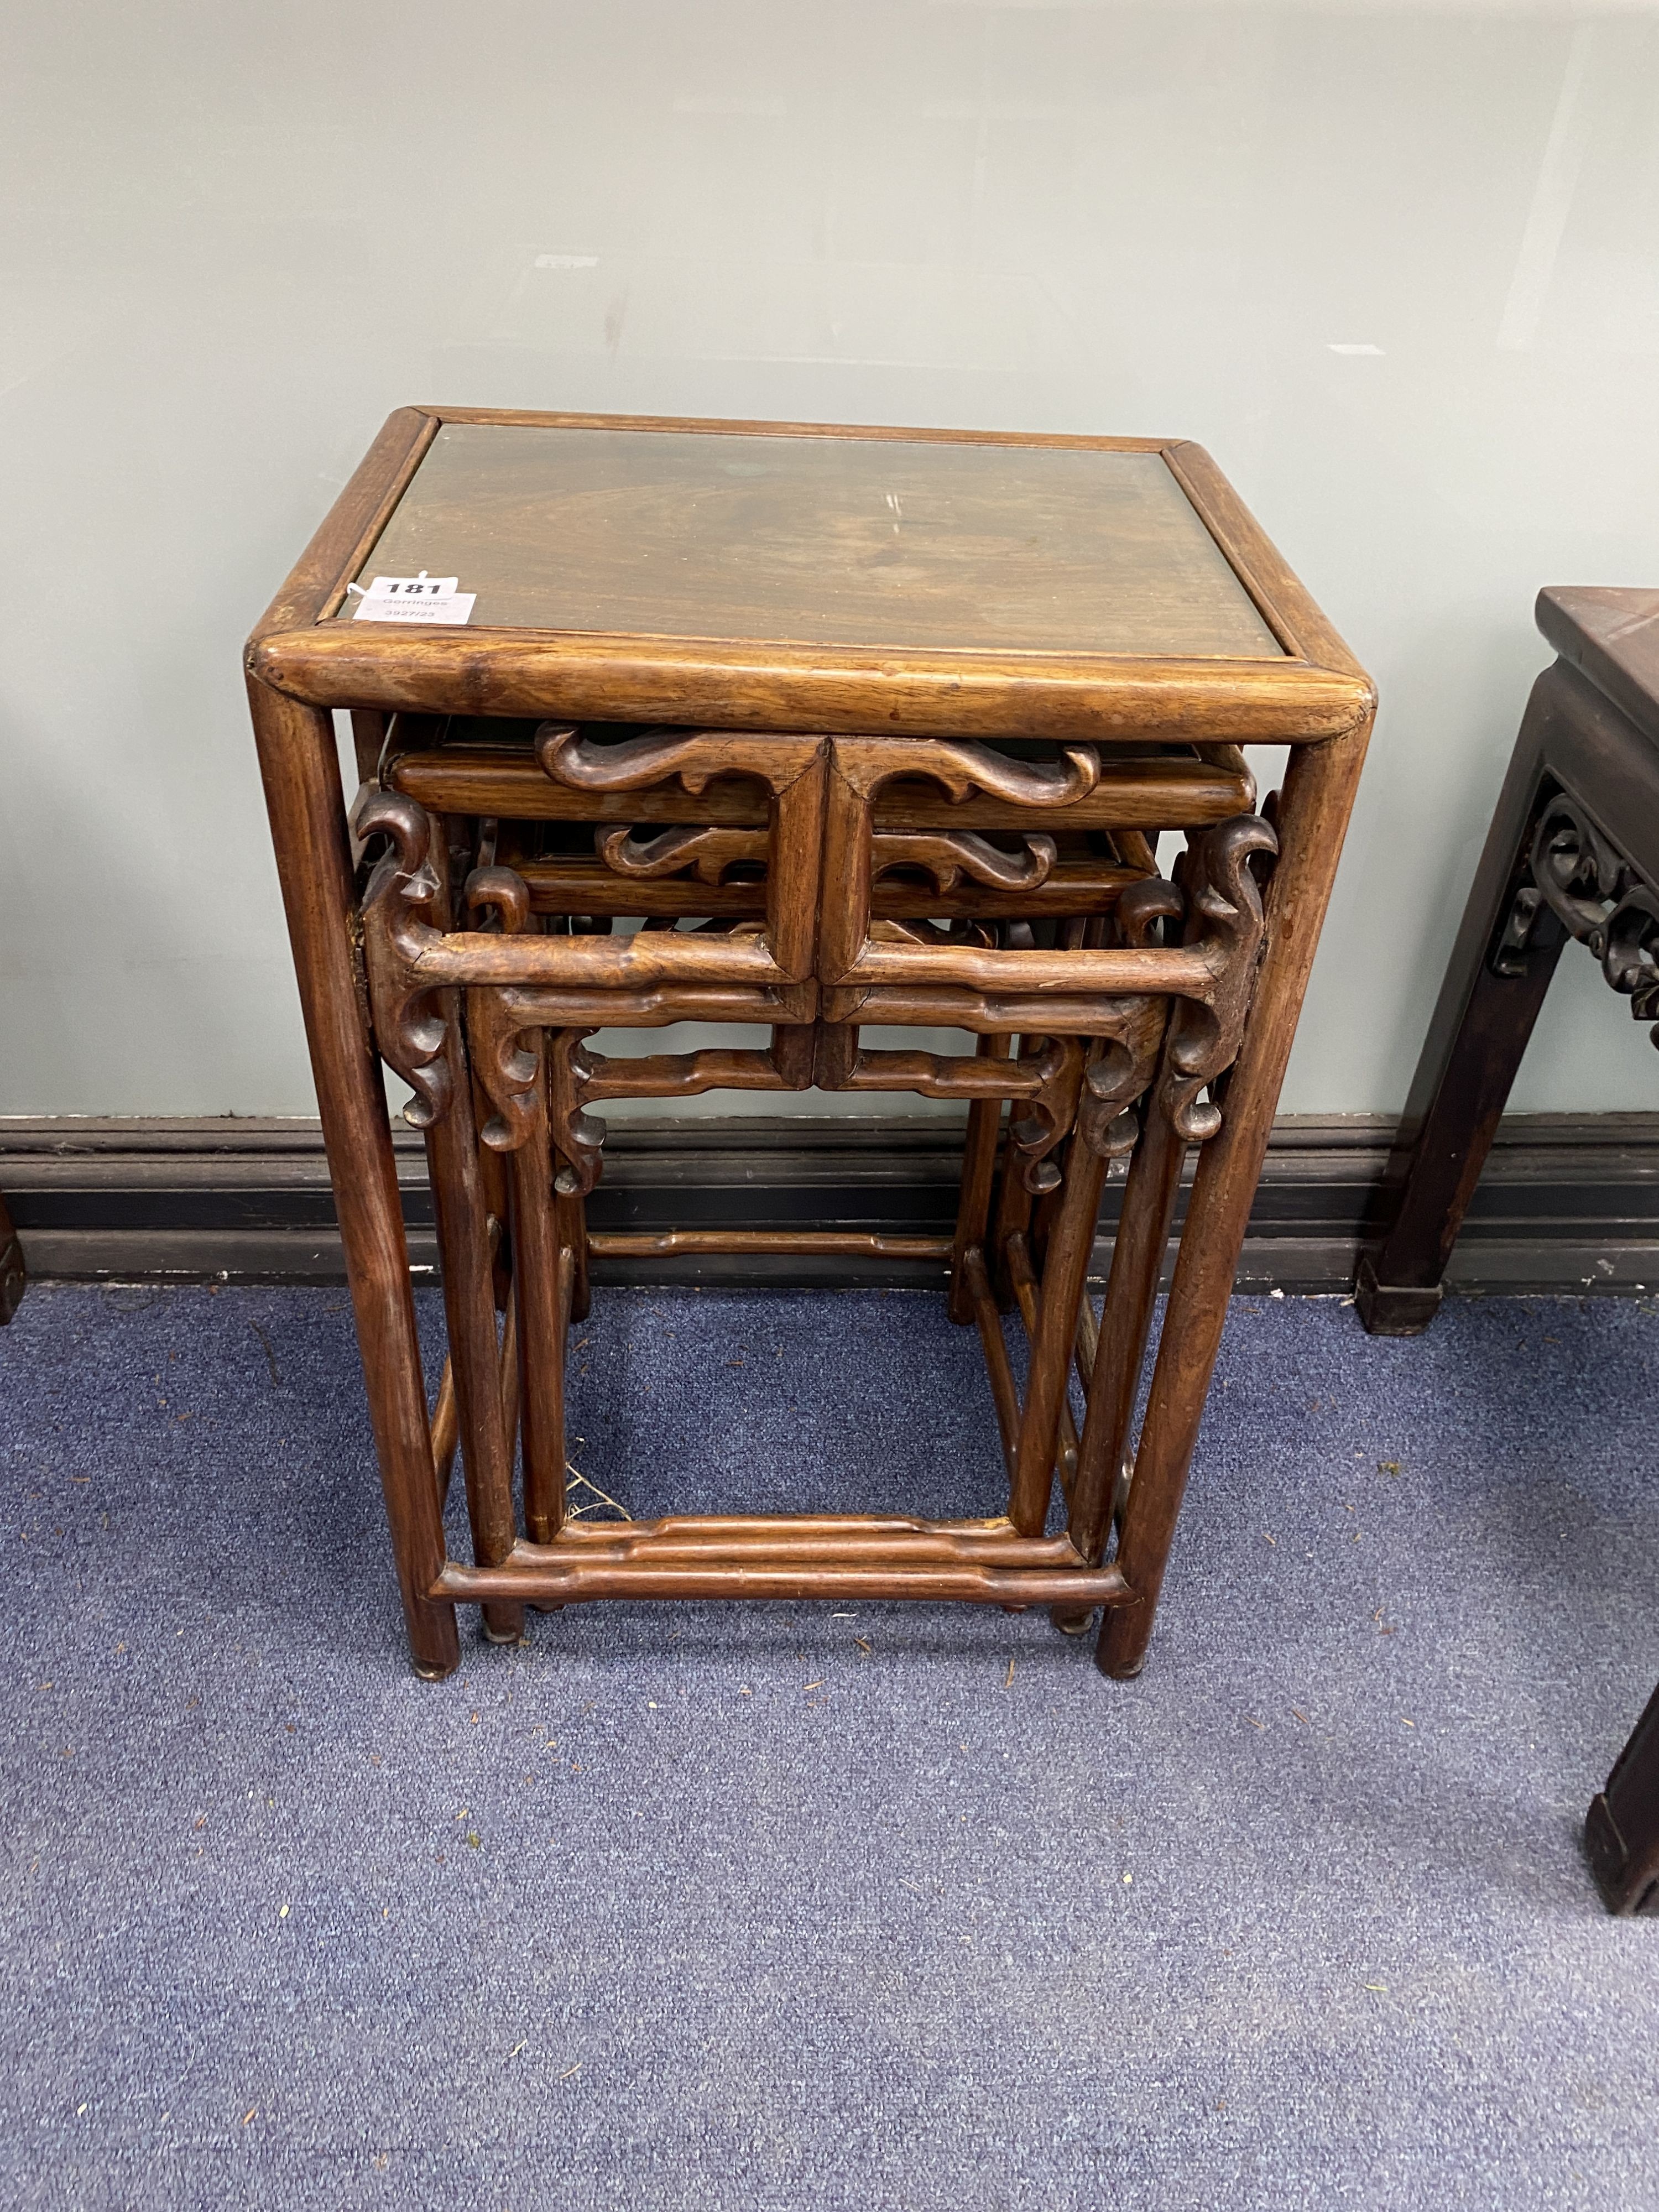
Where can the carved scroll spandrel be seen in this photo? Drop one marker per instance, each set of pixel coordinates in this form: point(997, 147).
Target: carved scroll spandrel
point(946, 856)
point(704, 854)
point(1630, 958)
point(1577, 871)
point(695, 758)
point(1598, 897)
point(1225, 920)
point(578, 1136)
point(397, 909)
point(963, 768)
point(1125, 1063)
point(506, 1050)
point(1046, 1116)
point(1524, 927)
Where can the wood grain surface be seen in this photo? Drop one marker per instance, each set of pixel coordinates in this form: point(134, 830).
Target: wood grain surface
point(814, 540)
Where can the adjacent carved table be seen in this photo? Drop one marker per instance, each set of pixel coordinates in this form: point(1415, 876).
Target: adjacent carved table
point(1573, 853)
point(825, 732)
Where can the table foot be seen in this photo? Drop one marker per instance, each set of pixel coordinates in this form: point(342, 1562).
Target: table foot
point(1070, 1624)
point(1621, 1829)
point(1394, 1309)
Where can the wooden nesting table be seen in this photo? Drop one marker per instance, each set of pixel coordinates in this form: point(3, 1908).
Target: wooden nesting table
point(825, 732)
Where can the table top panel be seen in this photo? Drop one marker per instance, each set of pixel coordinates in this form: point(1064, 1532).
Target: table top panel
point(849, 541)
point(1611, 634)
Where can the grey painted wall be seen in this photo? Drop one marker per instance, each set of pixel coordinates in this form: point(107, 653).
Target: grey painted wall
point(1396, 267)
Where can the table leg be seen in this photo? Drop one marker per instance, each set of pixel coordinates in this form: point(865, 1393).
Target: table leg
point(1318, 798)
point(1126, 1322)
point(458, 1198)
point(1621, 1831)
point(1012, 1215)
point(14, 1278)
point(1481, 1023)
point(1070, 1241)
point(301, 769)
point(570, 1226)
point(541, 1317)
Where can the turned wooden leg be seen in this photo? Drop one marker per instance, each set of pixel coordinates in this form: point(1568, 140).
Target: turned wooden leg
point(301, 769)
point(1318, 796)
point(1621, 1831)
point(1488, 1003)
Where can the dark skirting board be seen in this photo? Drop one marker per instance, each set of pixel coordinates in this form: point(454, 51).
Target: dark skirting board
point(1568, 1202)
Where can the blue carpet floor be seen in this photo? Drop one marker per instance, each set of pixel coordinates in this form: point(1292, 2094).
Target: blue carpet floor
point(813, 1907)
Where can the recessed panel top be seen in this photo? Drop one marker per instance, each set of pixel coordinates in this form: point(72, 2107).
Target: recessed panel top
point(829, 541)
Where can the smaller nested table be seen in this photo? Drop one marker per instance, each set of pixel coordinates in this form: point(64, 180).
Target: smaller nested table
point(823, 732)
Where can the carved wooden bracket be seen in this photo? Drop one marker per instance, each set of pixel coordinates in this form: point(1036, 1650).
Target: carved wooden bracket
point(1225, 921)
point(1630, 957)
point(1580, 873)
point(398, 912)
point(948, 856)
point(1126, 1063)
point(507, 1058)
point(704, 853)
point(962, 767)
point(1577, 878)
point(506, 1050)
point(853, 850)
point(695, 756)
point(503, 892)
point(578, 1137)
point(1528, 926)
point(1052, 1109)
point(792, 768)
point(1118, 1078)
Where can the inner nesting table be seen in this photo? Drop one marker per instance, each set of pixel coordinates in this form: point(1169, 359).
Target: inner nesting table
point(825, 731)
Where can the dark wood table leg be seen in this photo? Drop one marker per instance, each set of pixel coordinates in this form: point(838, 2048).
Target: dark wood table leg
point(541, 1317)
point(1126, 1324)
point(1488, 1003)
point(14, 1278)
point(1318, 797)
point(1621, 1829)
point(1013, 1214)
point(301, 769)
point(1126, 1321)
point(1071, 1242)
